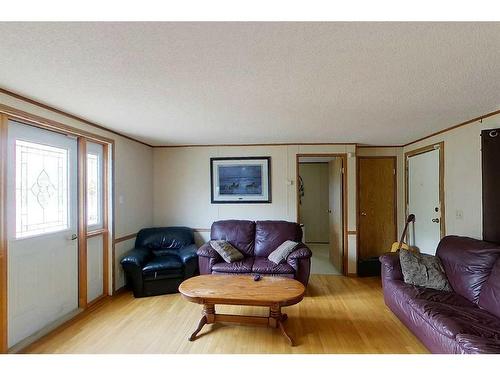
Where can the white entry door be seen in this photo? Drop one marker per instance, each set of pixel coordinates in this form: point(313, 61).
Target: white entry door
point(42, 228)
point(424, 200)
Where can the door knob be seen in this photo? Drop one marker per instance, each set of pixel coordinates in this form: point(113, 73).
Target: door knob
point(363, 213)
point(435, 220)
point(73, 237)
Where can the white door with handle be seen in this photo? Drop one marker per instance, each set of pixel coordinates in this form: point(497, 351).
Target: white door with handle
point(42, 228)
point(424, 200)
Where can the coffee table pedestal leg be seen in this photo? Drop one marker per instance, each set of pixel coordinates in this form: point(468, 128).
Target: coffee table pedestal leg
point(276, 319)
point(207, 318)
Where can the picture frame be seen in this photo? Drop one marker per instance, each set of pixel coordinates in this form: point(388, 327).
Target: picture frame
point(240, 179)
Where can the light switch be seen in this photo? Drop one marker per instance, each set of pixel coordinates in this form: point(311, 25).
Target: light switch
point(121, 199)
point(459, 214)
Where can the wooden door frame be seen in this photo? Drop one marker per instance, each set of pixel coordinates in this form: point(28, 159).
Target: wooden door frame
point(343, 157)
point(422, 150)
point(358, 167)
point(12, 114)
point(3, 234)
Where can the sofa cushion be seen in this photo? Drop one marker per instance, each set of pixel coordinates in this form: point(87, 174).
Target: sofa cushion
point(467, 263)
point(242, 266)
point(450, 320)
point(471, 344)
point(265, 266)
point(240, 233)
point(270, 234)
point(404, 292)
point(423, 270)
point(446, 297)
point(163, 268)
point(282, 251)
point(226, 251)
point(490, 292)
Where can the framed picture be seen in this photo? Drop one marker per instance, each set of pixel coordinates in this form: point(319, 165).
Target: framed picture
point(241, 180)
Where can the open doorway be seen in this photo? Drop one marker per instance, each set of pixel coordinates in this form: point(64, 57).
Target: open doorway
point(321, 210)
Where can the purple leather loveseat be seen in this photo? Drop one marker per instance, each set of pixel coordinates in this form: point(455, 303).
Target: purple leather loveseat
point(466, 320)
point(256, 240)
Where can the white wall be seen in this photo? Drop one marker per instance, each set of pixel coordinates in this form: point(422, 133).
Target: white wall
point(133, 171)
point(313, 211)
point(462, 175)
point(182, 187)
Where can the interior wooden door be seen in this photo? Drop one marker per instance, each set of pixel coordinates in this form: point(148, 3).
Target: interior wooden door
point(376, 205)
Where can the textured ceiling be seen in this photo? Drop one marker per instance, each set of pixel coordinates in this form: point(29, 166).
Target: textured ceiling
point(213, 83)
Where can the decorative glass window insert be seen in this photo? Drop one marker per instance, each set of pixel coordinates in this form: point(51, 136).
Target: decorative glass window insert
point(42, 193)
point(93, 190)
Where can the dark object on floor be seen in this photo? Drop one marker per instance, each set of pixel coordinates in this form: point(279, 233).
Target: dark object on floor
point(369, 267)
point(256, 278)
point(256, 240)
point(466, 320)
point(161, 260)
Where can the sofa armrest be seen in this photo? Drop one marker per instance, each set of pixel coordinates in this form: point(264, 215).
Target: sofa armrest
point(187, 253)
point(207, 251)
point(391, 268)
point(136, 257)
point(300, 253)
point(300, 260)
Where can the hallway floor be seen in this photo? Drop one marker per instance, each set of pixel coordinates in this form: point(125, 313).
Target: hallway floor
point(320, 263)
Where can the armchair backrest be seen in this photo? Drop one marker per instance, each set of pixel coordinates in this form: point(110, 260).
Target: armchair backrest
point(164, 238)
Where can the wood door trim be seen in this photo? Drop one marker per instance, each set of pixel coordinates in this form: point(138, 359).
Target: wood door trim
point(125, 238)
point(3, 235)
point(395, 164)
point(480, 119)
point(8, 113)
point(15, 114)
point(343, 156)
point(69, 115)
point(96, 232)
point(423, 150)
point(82, 223)
point(105, 222)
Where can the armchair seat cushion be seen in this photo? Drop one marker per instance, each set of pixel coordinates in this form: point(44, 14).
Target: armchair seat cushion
point(265, 266)
point(242, 266)
point(165, 267)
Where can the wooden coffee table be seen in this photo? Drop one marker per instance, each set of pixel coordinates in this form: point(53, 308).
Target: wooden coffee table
point(269, 291)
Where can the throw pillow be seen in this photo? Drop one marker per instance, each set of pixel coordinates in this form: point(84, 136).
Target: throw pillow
point(282, 251)
point(226, 251)
point(423, 270)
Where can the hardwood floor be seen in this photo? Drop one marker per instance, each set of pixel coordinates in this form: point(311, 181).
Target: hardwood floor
point(338, 315)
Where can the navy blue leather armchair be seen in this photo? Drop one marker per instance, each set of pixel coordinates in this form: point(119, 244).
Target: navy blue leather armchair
point(161, 259)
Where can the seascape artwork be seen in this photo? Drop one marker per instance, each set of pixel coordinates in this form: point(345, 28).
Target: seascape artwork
point(240, 180)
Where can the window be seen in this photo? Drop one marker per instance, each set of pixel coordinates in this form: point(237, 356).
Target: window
point(94, 185)
point(42, 194)
point(93, 190)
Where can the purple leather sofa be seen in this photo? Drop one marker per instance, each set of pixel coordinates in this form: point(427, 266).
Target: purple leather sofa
point(466, 320)
point(256, 240)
